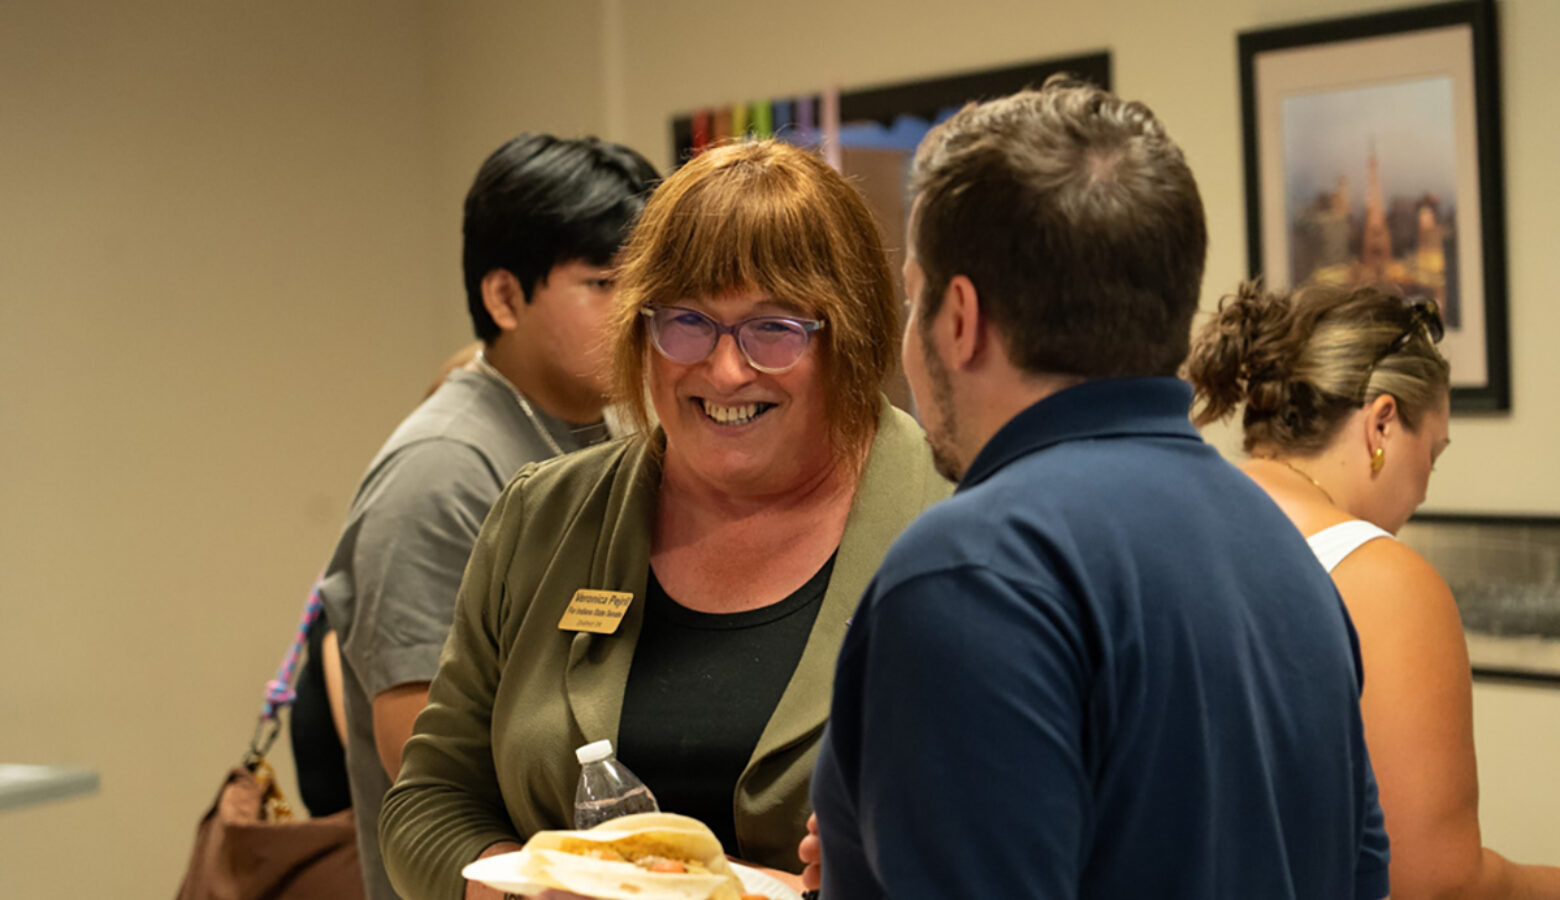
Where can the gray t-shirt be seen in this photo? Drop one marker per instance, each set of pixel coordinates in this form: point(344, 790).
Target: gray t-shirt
point(389, 591)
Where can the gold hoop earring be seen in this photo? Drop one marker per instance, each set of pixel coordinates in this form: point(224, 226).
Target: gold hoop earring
point(1377, 460)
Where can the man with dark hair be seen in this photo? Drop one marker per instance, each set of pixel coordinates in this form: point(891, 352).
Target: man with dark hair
point(1108, 666)
point(543, 222)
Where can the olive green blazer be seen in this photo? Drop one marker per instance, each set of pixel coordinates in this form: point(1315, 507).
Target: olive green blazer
point(492, 757)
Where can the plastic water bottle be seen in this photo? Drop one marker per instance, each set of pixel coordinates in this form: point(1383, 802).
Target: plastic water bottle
point(607, 788)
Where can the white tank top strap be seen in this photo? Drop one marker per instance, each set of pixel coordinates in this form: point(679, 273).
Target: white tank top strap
point(1331, 545)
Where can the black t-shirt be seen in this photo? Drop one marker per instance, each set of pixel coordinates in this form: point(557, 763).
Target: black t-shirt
point(317, 752)
point(700, 691)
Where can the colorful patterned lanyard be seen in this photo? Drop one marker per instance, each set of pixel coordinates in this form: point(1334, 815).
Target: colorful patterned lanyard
point(279, 693)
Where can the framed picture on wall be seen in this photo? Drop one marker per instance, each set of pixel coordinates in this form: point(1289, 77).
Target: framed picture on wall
point(1373, 156)
point(1505, 573)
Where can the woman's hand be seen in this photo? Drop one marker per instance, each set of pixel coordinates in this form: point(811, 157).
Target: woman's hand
point(794, 882)
point(810, 851)
point(476, 890)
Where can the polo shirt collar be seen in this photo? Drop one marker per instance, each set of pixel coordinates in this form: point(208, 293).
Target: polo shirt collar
point(1103, 408)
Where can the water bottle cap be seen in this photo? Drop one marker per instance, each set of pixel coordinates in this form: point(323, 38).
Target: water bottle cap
point(593, 752)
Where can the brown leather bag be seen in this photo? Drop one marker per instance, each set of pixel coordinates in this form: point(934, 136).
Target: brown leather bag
point(248, 847)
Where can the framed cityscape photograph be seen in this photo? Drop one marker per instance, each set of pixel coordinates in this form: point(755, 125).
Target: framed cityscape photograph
point(1373, 156)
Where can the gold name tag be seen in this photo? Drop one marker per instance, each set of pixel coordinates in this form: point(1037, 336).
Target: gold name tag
point(600, 612)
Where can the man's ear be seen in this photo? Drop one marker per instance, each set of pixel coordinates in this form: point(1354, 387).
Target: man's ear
point(502, 298)
point(963, 304)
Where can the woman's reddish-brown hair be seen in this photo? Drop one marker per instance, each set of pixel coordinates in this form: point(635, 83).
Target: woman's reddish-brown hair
point(765, 216)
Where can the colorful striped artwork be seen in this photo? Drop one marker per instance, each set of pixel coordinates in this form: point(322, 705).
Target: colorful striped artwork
point(794, 120)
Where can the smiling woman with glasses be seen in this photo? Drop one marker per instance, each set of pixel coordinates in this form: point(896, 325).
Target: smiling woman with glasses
point(1346, 409)
point(756, 322)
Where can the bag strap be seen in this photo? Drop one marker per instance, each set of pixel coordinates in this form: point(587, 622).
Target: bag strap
point(279, 693)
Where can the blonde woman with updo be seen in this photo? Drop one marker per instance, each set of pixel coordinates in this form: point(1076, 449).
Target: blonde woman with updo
point(1346, 409)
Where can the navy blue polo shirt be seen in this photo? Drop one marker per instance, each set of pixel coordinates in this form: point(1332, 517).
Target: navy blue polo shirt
point(1107, 667)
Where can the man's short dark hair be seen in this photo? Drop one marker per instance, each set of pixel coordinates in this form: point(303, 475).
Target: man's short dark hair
point(1078, 222)
point(539, 201)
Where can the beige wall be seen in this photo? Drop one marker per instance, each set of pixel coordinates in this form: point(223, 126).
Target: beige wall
point(215, 291)
point(229, 262)
point(499, 67)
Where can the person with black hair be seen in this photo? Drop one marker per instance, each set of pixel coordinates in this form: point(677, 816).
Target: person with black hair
point(543, 223)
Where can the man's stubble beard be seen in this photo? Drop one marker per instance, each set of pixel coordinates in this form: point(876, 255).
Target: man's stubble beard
point(943, 438)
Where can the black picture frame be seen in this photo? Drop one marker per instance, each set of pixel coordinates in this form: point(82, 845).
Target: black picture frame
point(1504, 571)
point(1314, 82)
